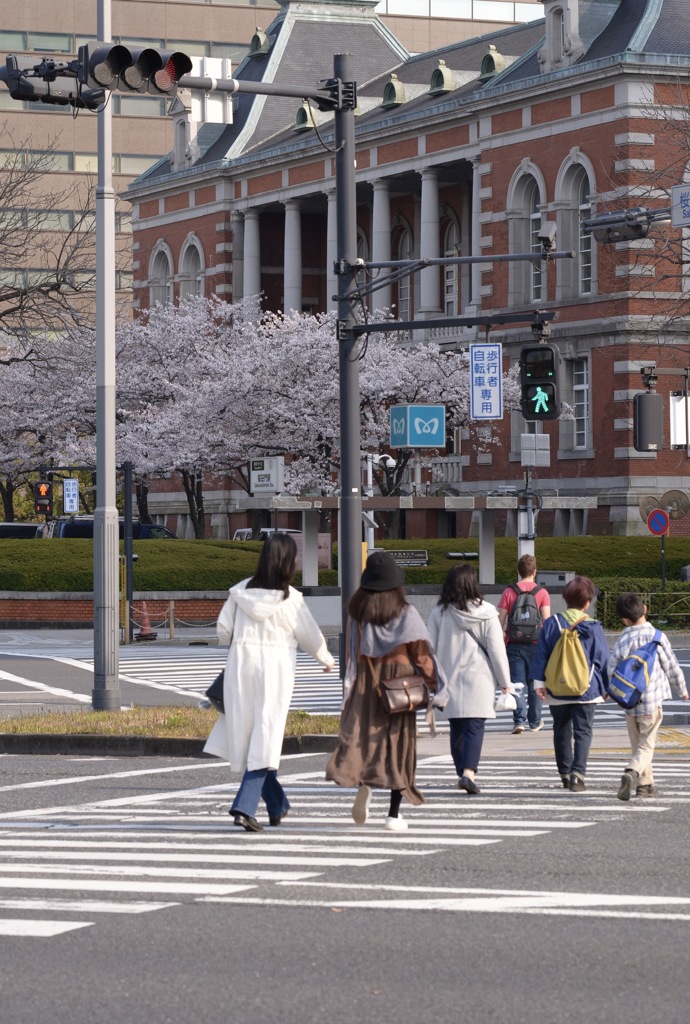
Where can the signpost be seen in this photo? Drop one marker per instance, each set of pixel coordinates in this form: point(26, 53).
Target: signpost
point(486, 385)
point(70, 495)
point(657, 524)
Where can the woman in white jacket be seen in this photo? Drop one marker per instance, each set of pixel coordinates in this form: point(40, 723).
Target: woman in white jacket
point(263, 620)
point(470, 648)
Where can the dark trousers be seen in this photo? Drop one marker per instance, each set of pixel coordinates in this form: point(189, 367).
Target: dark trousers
point(572, 736)
point(466, 738)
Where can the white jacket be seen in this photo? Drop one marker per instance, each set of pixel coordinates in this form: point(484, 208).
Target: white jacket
point(264, 629)
point(473, 676)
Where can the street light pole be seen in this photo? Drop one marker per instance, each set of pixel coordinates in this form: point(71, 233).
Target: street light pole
point(106, 690)
point(350, 540)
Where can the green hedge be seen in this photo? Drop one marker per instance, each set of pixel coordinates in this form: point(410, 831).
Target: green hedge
point(52, 565)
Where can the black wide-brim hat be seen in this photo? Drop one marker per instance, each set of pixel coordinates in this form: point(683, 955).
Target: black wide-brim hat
point(382, 572)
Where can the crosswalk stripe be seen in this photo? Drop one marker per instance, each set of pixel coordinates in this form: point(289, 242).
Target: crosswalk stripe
point(87, 906)
point(39, 929)
point(112, 885)
point(110, 870)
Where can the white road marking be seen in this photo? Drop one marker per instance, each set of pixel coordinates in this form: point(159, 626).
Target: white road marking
point(112, 885)
point(56, 691)
point(137, 858)
point(113, 870)
point(39, 929)
point(89, 906)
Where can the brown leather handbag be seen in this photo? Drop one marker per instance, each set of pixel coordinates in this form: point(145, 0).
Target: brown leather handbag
point(401, 693)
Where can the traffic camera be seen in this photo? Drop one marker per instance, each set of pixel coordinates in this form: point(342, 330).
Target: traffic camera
point(47, 82)
point(113, 66)
point(43, 498)
point(539, 382)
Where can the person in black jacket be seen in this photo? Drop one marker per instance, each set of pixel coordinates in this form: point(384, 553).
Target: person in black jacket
point(573, 717)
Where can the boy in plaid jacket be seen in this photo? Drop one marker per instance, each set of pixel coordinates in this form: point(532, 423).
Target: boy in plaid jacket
point(644, 719)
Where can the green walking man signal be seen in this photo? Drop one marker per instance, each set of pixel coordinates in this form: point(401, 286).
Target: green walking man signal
point(539, 382)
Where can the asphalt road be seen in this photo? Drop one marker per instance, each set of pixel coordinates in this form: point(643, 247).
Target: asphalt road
point(127, 896)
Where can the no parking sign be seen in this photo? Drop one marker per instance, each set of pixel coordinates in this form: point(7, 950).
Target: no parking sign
point(657, 522)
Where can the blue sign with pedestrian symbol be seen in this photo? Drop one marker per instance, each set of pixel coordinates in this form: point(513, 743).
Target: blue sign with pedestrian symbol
point(418, 426)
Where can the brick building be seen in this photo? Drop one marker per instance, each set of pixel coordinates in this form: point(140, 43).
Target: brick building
point(471, 149)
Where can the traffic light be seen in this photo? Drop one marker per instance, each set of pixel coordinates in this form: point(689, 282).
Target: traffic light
point(648, 422)
point(539, 382)
point(43, 498)
point(43, 83)
point(113, 66)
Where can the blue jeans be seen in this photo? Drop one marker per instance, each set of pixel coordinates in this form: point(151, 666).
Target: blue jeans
point(466, 738)
point(528, 710)
point(261, 783)
point(572, 736)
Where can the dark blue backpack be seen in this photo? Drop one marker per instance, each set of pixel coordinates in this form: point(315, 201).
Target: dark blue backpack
point(631, 676)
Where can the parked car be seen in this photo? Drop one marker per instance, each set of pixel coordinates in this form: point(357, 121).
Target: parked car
point(82, 526)
point(246, 533)
point(20, 531)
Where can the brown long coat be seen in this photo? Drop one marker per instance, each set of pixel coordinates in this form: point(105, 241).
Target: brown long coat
point(376, 749)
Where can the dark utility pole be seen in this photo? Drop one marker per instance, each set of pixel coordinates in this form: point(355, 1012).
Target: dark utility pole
point(350, 539)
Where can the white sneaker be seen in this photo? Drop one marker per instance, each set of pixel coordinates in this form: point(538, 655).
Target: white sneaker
point(395, 824)
point(536, 728)
point(360, 808)
point(517, 729)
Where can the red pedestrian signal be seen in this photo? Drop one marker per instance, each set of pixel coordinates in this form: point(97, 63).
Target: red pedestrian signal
point(43, 498)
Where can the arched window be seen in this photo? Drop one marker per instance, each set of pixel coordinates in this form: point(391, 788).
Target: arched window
point(192, 279)
point(526, 196)
point(574, 187)
point(161, 278)
point(584, 210)
point(536, 277)
point(451, 247)
point(404, 251)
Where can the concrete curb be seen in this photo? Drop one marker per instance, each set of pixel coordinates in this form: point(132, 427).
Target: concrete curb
point(139, 746)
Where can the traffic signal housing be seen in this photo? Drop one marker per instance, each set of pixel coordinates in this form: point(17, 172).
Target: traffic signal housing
point(113, 66)
point(43, 498)
point(539, 398)
point(648, 422)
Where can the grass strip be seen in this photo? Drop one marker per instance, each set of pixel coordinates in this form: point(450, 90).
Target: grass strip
point(179, 722)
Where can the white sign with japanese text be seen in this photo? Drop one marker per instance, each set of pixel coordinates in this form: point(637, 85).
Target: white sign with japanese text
point(70, 495)
point(486, 383)
point(267, 476)
point(680, 206)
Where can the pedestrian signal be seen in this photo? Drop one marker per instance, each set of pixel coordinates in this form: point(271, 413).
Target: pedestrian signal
point(539, 382)
point(648, 422)
point(43, 498)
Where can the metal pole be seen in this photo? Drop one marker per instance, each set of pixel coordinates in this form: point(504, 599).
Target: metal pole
point(127, 469)
point(350, 552)
point(106, 690)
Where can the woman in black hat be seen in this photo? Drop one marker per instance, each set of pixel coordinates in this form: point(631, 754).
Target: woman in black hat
point(387, 637)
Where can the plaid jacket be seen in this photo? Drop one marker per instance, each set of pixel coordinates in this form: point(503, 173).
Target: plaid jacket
point(666, 673)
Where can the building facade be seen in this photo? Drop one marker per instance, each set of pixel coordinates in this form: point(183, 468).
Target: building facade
point(477, 148)
point(141, 132)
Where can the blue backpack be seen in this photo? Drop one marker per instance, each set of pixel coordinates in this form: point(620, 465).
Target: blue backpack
point(631, 676)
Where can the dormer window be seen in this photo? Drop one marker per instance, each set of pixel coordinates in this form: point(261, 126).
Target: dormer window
point(562, 45)
point(304, 118)
point(393, 93)
point(260, 43)
point(442, 80)
point(493, 63)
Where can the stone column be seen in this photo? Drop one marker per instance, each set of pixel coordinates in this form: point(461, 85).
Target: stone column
point(237, 223)
point(252, 254)
point(381, 240)
point(430, 301)
point(292, 259)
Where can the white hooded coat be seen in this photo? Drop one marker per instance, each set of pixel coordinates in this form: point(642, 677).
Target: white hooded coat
point(264, 628)
point(472, 676)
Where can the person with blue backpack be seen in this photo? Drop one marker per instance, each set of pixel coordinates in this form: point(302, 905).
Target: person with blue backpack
point(642, 670)
point(570, 672)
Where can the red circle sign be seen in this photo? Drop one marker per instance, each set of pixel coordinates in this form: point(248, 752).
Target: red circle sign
point(657, 522)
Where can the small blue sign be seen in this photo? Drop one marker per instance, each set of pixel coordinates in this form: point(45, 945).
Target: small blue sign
point(418, 426)
point(486, 384)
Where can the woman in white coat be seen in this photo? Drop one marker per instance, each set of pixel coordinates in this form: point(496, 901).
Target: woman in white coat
point(263, 620)
point(468, 638)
